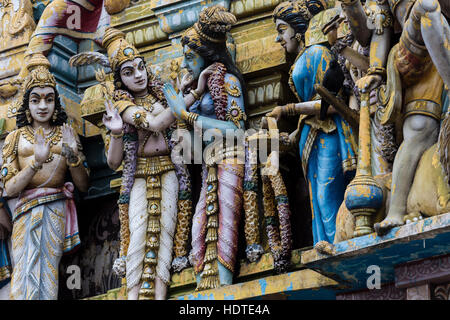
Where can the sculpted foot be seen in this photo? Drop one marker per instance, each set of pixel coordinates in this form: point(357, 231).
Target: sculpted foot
point(412, 217)
point(387, 224)
point(325, 247)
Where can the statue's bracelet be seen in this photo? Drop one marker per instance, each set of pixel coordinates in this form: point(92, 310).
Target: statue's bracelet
point(195, 95)
point(191, 118)
point(289, 110)
point(377, 70)
point(34, 166)
point(117, 136)
point(74, 164)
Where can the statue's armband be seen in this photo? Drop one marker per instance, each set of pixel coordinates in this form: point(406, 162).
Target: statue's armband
point(140, 119)
point(379, 16)
point(235, 109)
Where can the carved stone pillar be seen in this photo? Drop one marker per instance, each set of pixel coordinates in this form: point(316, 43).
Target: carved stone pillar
point(386, 292)
point(419, 293)
point(420, 278)
point(441, 292)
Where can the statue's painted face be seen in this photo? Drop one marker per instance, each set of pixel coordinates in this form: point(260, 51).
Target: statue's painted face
point(42, 104)
point(134, 76)
point(193, 62)
point(286, 36)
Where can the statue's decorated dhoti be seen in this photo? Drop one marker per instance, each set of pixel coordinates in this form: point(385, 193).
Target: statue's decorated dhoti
point(45, 227)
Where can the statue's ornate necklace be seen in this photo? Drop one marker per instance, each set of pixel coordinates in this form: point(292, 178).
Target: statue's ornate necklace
point(146, 102)
point(54, 137)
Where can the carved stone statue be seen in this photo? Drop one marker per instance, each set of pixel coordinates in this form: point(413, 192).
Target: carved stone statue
point(327, 147)
point(417, 68)
point(428, 196)
point(140, 127)
point(37, 157)
point(212, 97)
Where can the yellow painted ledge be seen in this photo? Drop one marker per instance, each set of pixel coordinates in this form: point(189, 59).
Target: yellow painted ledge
point(265, 287)
point(268, 287)
point(183, 283)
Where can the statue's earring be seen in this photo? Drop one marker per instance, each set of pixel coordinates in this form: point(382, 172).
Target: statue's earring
point(55, 116)
point(28, 115)
point(298, 37)
point(118, 84)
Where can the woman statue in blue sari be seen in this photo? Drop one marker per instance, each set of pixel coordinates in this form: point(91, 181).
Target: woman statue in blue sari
point(327, 147)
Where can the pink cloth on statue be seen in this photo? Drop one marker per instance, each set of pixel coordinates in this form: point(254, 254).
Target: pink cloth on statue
point(32, 198)
point(60, 18)
point(230, 196)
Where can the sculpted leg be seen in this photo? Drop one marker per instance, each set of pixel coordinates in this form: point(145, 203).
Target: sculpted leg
point(160, 289)
point(428, 26)
point(420, 132)
point(133, 293)
point(138, 227)
point(169, 196)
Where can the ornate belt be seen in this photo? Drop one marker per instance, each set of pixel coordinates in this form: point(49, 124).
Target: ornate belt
point(152, 166)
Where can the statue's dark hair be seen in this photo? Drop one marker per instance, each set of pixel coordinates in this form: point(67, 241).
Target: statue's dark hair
point(315, 6)
point(21, 118)
point(297, 20)
point(213, 52)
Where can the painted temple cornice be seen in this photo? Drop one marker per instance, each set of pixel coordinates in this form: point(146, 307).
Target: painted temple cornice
point(178, 15)
point(140, 24)
point(249, 285)
point(16, 27)
point(245, 8)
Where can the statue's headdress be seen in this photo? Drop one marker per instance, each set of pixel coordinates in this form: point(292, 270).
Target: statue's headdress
point(316, 6)
point(119, 49)
point(38, 74)
point(212, 25)
point(287, 10)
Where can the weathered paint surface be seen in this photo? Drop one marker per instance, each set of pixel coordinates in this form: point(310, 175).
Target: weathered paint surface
point(175, 16)
point(287, 284)
point(418, 240)
point(140, 25)
point(185, 281)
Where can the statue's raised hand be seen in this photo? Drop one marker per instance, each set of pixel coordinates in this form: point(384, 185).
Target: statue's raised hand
point(175, 101)
point(69, 145)
point(203, 78)
point(111, 119)
point(41, 147)
point(186, 82)
point(68, 135)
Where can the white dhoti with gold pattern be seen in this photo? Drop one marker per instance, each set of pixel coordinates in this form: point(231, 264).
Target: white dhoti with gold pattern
point(45, 228)
point(140, 229)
